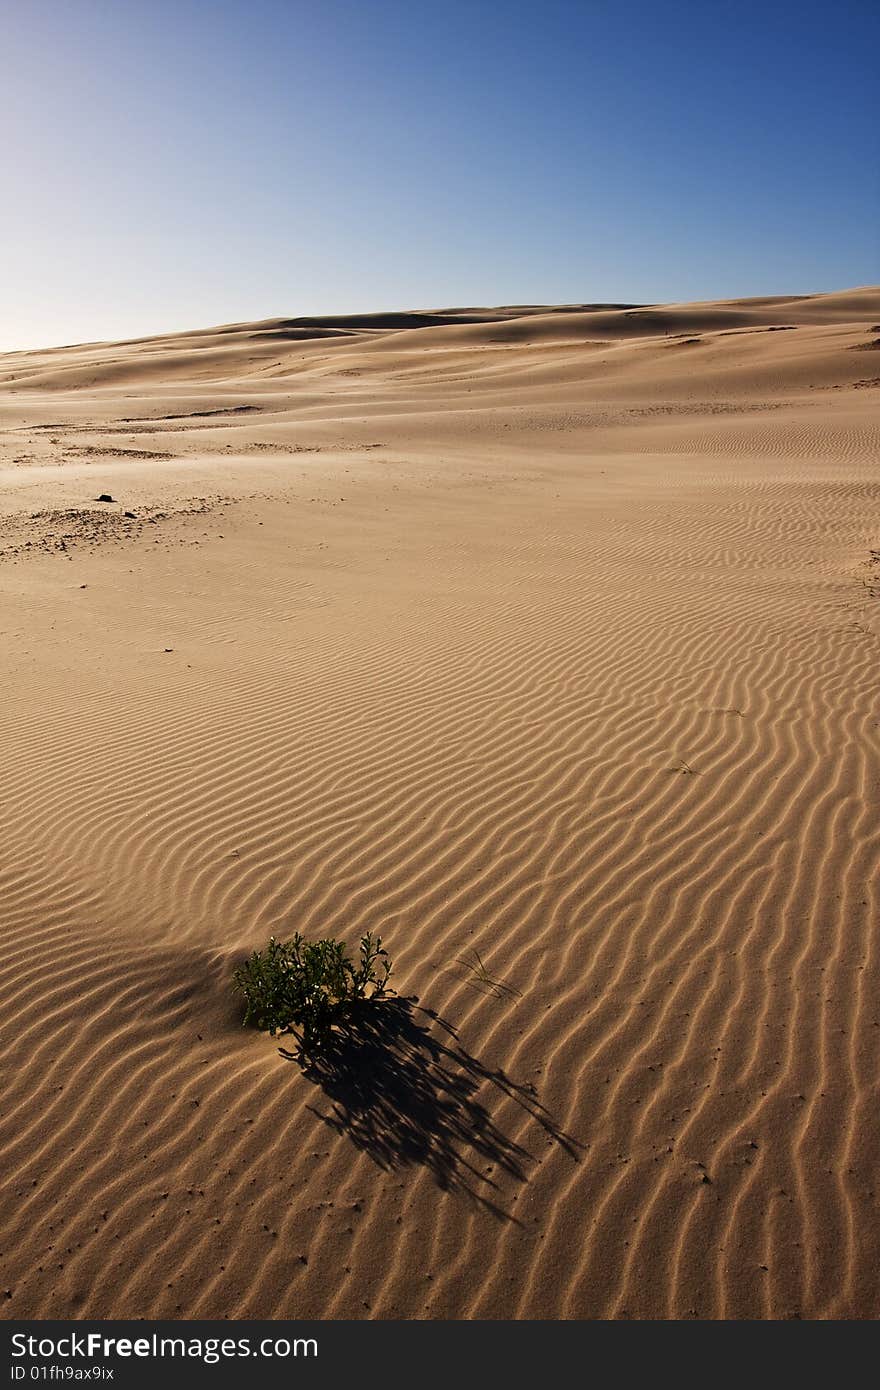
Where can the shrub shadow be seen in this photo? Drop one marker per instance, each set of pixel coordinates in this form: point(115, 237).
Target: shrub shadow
point(406, 1092)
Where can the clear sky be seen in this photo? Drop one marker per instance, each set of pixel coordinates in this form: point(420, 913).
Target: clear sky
point(171, 164)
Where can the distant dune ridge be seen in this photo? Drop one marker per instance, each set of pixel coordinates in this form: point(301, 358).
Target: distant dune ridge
point(550, 633)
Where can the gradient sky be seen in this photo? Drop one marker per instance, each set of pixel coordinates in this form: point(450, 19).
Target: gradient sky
point(171, 164)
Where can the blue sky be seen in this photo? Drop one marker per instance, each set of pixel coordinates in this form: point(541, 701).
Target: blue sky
point(174, 165)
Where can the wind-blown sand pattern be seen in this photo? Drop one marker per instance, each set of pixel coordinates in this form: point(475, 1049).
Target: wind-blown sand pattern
point(547, 633)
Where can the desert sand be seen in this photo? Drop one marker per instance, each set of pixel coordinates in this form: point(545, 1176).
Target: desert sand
point(550, 634)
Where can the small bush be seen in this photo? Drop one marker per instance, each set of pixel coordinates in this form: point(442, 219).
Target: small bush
point(312, 986)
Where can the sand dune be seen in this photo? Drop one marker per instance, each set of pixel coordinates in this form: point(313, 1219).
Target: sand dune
point(547, 632)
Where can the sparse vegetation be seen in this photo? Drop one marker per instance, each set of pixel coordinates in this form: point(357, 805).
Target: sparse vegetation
point(478, 976)
point(684, 767)
point(311, 987)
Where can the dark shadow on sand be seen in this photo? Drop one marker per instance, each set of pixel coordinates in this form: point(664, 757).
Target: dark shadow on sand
point(406, 1092)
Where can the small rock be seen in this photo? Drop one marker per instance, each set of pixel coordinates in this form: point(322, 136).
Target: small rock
point(105, 497)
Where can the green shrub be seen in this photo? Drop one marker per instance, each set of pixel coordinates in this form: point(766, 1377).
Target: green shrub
point(312, 986)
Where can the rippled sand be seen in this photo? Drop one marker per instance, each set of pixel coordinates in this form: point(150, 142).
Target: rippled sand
point(549, 634)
